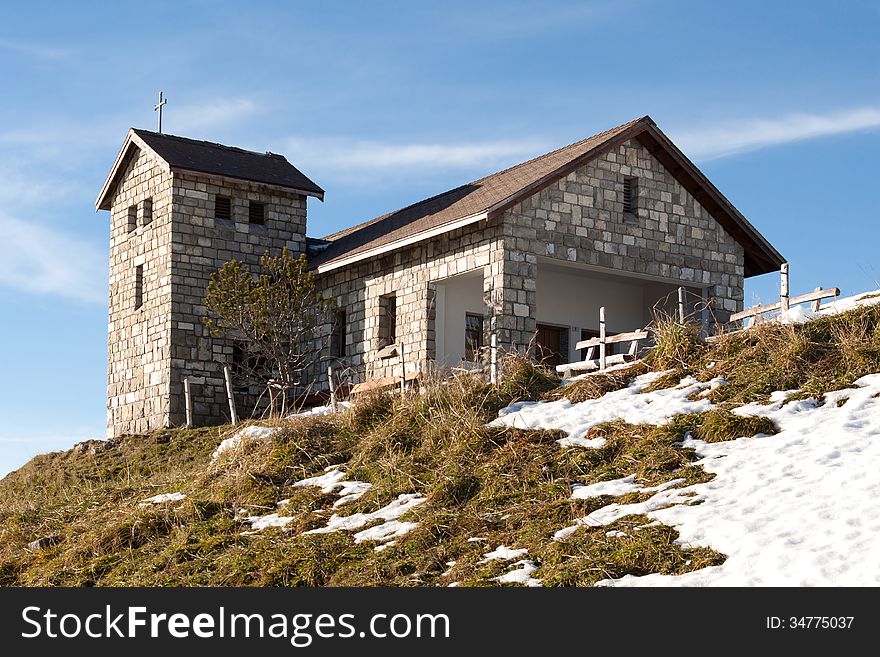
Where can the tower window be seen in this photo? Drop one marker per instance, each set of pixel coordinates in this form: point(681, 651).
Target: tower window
point(256, 212)
point(337, 335)
point(148, 211)
point(132, 218)
point(138, 286)
point(630, 195)
point(222, 207)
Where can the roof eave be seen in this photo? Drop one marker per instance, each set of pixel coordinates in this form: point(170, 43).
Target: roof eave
point(319, 194)
point(343, 260)
point(761, 257)
point(132, 140)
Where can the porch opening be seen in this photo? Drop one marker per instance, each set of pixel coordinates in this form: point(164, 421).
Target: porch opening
point(459, 320)
point(568, 302)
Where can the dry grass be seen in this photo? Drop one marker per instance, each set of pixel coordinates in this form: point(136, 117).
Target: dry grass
point(595, 385)
point(676, 344)
point(827, 354)
point(507, 486)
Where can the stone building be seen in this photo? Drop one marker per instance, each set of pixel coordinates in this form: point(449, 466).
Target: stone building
point(525, 255)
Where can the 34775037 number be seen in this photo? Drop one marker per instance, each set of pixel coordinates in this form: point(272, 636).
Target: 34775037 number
point(810, 622)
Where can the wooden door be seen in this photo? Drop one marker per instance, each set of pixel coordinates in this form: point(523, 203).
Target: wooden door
point(548, 341)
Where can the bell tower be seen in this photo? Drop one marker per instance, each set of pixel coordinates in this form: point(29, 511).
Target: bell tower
point(179, 209)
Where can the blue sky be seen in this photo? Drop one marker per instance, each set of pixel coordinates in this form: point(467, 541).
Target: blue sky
point(385, 103)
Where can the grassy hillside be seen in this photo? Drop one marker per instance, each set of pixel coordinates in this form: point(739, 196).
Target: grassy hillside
point(473, 487)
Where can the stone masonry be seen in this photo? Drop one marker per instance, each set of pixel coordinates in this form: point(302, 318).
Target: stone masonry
point(154, 347)
point(581, 219)
point(139, 339)
point(578, 219)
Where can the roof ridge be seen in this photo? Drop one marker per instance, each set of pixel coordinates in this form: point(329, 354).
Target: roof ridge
point(351, 229)
point(622, 126)
point(204, 142)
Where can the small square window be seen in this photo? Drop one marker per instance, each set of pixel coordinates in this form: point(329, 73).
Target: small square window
point(132, 218)
point(148, 211)
point(246, 366)
point(256, 212)
point(138, 286)
point(222, 207)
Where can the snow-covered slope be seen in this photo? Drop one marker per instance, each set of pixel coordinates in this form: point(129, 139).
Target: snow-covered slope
point(796, 508)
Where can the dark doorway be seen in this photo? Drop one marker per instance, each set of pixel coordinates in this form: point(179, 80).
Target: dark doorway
point(548, 345)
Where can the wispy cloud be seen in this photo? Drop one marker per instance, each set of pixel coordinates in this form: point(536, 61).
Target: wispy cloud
point(198, 118)
point(344, 155)
point(35, 50)
point(752, 134)
point(38, 259)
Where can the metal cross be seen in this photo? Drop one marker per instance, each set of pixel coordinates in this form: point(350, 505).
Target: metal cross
point(158, 108)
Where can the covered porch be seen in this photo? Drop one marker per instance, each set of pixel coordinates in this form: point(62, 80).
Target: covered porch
point(565, 311)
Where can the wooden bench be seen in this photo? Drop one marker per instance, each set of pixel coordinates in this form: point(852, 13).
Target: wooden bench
point(592, 363)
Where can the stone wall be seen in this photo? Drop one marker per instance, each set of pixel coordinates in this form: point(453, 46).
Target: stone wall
point(200, 244)
point(408, 274)
point(139, 339)
point(580, 219)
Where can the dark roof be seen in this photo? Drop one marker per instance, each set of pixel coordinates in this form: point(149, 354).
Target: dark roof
point(499, 191)
point(217, 159)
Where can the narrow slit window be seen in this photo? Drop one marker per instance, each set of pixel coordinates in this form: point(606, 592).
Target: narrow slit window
point(630, 195)
point(148, 211)
point(337, 335)
point(138, 286)
point(256, 212)
point(132, 218)
point(222, 207)
point(473, 336)
point(387, 320)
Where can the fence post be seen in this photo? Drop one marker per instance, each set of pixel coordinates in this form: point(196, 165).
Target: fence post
point(493, 357)
point(229, 394)
point(332, 388)
point(818, 302)
point(783, 288)
point(681, 305)
point(602, 338)
point(188, 401)
point(402, 369)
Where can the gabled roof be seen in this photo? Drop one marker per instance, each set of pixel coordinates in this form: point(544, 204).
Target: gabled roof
point(486, 197)
point(183, 154)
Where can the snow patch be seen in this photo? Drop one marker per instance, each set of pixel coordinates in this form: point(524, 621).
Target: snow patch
point(333, 480)
point(390, 513)
point(614, 512)
point(322, 410)
point(617, 487)
point(504, 552)
point(250, 432)
point(162, 499)
point(630, 404)
point(259, 523)
point(521, 575)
